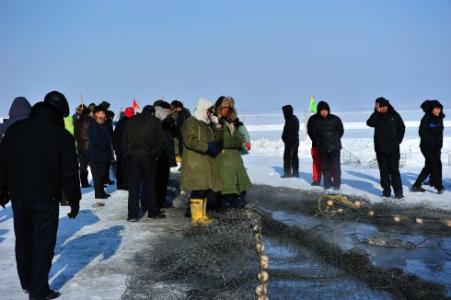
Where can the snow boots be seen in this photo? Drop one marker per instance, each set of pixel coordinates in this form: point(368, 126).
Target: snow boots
point(199, 212)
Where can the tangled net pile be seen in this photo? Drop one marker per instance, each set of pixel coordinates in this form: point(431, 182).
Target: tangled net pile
point(342, 210)
point(218, 261)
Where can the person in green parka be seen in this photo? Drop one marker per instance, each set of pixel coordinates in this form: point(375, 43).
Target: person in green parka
point(233, 173)
point(200, 170)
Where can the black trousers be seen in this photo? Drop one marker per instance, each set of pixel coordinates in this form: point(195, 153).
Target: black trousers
point(107, 172)
point(121, 173)
point(98, 170)
point(162, 180)
point(432, 168)
point(83, 159)
point(35, 225)
point(142, 167)
point(291, 159)
point(389, 173)
point(331, 169)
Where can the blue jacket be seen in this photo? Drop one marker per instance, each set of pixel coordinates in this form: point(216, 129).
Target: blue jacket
point(100, 143)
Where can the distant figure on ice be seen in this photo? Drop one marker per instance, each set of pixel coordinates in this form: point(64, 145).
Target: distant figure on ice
point(389, 132)
point(327, 131)
point(290, 138)
point(37, 163)
point(121, 159)
point(431, 134)
point(20, 109)
point(101, 151)
point(200, 171)
point(141, 142)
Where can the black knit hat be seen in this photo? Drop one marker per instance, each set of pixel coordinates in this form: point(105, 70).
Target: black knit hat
point(58, 101)
point(99, 108)
point(176, 104)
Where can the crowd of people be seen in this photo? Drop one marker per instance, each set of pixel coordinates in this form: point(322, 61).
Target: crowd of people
point(46, 155)
point(326, 130)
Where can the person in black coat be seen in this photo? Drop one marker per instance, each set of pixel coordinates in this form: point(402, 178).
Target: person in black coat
point(166, 157)
point(181, 114)
point(121, 169)
point(101, 151)
point(142, 142)
point(81, 134)
point(389, 132)
point(431, 134)
point(290, 137)
point(327, 131)
point(38, 163)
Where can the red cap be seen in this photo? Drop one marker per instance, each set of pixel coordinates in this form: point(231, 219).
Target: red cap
point(129, 112)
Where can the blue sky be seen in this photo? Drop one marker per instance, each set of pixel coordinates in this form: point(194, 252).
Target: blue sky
point(264, 53)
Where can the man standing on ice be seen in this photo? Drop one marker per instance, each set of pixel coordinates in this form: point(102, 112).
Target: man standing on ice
point(389, 132)
point(431, 134)
point(38, 162)
point(327, 131)
point(290, 138)
point(141, 143)
point(101, 151)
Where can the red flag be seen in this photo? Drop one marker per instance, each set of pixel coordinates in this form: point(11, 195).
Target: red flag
point(135, 105)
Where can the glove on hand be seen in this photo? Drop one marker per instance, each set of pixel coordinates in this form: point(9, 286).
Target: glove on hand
point(74, 209)
point(213, 150)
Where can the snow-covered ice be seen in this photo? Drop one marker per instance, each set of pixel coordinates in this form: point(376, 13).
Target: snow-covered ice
point(94, 252)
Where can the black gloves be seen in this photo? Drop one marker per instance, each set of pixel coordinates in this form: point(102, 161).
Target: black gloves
point(74, 209)
point(213, 150)
point(4, 198)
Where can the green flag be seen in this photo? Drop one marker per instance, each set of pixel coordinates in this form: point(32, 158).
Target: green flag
point(312, 105)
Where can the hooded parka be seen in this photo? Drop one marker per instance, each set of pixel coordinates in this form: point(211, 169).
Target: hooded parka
point(200, 171)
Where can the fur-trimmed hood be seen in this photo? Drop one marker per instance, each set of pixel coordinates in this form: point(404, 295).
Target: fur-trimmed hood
point(202, 106)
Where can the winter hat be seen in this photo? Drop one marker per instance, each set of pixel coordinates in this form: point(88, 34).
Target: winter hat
point(163, 104)
point(129, 112)
point(99, 108)
point(58, 101)
point(200, 112)
point(105, 104)
point(110, 114)
point(224, 101)
point(425, 106)
point(149, 109)
point(158, 102)
point(176, 104)
point(323, 105)
point(92, 106)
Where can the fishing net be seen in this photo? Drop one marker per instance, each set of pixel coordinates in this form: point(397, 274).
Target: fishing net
point(218, 261)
